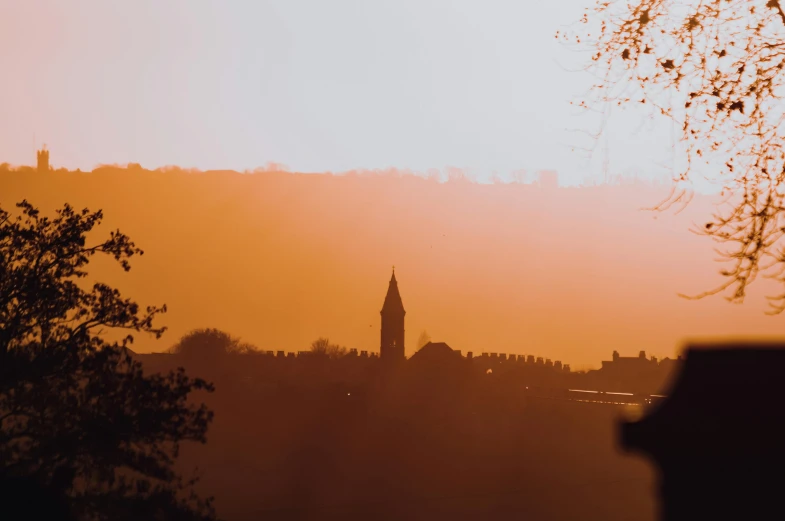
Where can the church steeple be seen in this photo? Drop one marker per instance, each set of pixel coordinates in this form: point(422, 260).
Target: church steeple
point(393, 302)
point(392, 346)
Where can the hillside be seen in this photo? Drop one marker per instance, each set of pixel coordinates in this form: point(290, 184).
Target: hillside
point(282, 258)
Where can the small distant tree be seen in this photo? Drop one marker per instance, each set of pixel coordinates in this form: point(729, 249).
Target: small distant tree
point(208, 344)
point(246, 348)
point(423, 340)
point(77, 413)
point(323, 347)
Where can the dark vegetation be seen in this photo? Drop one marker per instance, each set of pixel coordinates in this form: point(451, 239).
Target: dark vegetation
point(79, 417)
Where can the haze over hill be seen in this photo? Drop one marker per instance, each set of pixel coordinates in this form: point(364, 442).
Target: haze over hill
point(280, 259)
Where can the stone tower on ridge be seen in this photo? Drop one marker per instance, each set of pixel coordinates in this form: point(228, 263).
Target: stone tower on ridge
point(43, 160)
point(392, 347)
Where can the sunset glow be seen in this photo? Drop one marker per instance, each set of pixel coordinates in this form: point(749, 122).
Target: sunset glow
point(422, 260)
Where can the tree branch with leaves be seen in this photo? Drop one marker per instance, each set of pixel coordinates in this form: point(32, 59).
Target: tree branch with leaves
point(77, 412)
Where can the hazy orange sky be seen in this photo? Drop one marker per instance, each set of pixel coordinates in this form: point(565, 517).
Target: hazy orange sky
point(280, 259)
point(317, 86)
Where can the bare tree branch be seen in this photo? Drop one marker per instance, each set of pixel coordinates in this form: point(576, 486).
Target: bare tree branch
point(717, 69)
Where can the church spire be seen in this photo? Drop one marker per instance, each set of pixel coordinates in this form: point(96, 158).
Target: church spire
point(392, 345)
point(393, 302)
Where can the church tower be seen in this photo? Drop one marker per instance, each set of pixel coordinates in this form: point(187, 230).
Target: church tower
point(392, 348)
point(43, 160)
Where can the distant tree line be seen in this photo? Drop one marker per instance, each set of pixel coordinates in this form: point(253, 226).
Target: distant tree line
point(205, 344)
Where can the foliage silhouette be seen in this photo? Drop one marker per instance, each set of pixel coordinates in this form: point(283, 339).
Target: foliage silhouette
point(24, 499)
point(77, 413)
point(423, 339)
point(717, 68)
point(209, 343)
point(323, 347)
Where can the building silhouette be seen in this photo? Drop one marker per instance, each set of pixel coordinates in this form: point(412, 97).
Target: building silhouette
point(717, 438)
point(622, 380)
point(392, 347)
point(43, 160)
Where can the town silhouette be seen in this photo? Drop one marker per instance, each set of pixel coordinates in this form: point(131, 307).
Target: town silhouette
point(341, 434)
point(535, 335)
point(330, 432)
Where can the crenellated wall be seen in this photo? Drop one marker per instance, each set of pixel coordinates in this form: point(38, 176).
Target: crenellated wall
point(363, 367)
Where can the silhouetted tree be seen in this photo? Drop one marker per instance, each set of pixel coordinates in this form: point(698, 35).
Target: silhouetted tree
point(717, 68)
point(246, 348)
point(323, 347)
point(24, 499)
point(77, 414)
point(423, 340)
point(208, 344)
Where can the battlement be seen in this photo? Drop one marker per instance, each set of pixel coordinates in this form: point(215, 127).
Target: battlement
point(640, 362)
point(273, 369)
point(490, 360)
point(485, 360)
point(292, 355)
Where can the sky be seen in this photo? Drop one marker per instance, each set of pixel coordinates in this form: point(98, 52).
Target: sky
point(316, 86)
point(280, 259)
point(339, 86)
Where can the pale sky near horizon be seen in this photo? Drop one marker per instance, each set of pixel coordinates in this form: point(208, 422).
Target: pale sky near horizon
point(317, 86)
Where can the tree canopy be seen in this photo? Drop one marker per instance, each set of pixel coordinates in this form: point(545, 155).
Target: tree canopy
point(209, 344)
point(77, 413)
point(716, 68)
point(423, 339)
point(323, 347)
